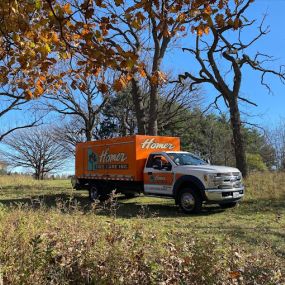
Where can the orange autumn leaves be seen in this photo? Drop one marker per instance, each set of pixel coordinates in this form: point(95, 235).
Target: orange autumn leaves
point(27, 43)
point(217, 13)
point(37, 36)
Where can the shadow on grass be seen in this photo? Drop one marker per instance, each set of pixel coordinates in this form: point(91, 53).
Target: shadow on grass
point(250, 207)
point(121, 208)
point(49, 201)
point(129, 208)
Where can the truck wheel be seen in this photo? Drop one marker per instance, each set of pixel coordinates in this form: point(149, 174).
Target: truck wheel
point(228, 205)
point(190, 201)
point(93, 193)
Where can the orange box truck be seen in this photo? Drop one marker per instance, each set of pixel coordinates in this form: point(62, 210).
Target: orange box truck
point(156, 166)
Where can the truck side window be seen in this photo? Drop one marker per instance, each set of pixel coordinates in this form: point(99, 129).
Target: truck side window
point(158, 160)
point(150, 161)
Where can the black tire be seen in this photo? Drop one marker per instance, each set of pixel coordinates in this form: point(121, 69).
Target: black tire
point(93, 193)
point(228, 205)
point(96, 194)
point(190, 201)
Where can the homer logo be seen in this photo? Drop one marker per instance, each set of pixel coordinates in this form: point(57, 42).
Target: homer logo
point(151, 144)
point(106, 160)
point(156, 179)
point(92, 159)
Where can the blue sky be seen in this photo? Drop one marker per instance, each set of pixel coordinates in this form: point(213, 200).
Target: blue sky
point(270, 108)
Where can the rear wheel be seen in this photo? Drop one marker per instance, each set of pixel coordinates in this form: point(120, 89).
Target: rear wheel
point(93, 193)
point(228, 205)
point(96, 194)
point(190, 201)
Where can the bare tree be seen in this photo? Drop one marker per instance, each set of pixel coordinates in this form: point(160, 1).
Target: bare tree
point(119, 114)
point(69, 133)
point(174, 100)
point(147, 36)
point(81, 100)
point(276, 138)
point(224, 47)
point(35, 149)
point(13, 101)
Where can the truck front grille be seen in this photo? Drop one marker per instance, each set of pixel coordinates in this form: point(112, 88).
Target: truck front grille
point(229, 180)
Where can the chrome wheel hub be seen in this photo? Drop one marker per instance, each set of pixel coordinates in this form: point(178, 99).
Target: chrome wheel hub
point(187, 201)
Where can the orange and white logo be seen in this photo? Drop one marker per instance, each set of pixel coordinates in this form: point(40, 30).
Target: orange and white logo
point(152, 144)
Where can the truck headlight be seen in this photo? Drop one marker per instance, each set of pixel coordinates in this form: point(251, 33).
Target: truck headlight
point(213, 180)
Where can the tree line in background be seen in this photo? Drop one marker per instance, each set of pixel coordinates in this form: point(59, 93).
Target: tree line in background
point(46, 148)
point(206, 134)
point(78, 53)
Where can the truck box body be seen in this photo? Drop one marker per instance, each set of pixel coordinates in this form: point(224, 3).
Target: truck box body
point(119, 158)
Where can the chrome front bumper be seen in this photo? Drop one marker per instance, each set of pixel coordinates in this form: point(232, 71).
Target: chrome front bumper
point(224, 195)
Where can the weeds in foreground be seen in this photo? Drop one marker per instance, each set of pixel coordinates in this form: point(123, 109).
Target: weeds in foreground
point(69, 243)
point(69, 246)
point(44, 249)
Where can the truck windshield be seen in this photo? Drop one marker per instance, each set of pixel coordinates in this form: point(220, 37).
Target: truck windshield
point(186, 158)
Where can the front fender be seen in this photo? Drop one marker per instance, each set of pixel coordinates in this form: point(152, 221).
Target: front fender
point(190, 180)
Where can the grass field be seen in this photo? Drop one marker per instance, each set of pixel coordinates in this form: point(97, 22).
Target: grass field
point(50, 234)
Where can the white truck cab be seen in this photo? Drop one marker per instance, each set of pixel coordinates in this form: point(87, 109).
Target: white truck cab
point(191, 180)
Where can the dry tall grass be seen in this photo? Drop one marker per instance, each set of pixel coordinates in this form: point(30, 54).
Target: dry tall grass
point(22, 181)
point(265, 185)
point(67, 244)
point(56, 248)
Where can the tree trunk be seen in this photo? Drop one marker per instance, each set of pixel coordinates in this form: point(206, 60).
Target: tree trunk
point(139, 107)
point(238, 137)
point(153, 110)
point(37, 173)
point(88, 134)
point(123, 130)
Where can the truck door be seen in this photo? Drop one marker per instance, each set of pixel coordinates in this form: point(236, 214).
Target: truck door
point(158, 175)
